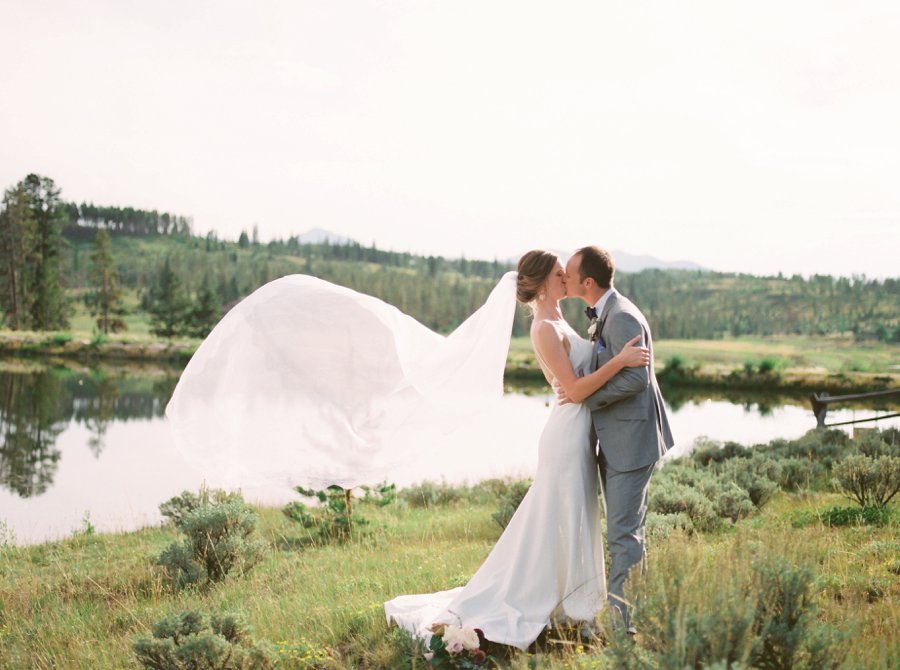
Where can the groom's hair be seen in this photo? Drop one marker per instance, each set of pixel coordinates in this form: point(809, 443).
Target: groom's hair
point(598, 264)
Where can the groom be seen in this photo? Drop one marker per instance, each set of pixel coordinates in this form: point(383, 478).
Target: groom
point(629, 417)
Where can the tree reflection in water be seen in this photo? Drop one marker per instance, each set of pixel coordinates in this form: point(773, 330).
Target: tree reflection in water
point(35, 407)
point(33, 412)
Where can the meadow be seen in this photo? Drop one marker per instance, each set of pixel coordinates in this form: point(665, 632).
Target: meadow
point(83, 601)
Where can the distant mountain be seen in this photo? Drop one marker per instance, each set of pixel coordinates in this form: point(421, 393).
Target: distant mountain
point(320, 235)
point(626, 262)
point(631, 263)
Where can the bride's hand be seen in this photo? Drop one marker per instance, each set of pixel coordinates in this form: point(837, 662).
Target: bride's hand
point(634, 356)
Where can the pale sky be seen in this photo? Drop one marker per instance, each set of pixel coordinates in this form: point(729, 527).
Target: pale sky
point(745, 136)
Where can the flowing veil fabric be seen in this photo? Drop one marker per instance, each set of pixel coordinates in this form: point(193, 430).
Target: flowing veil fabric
point(306, 382)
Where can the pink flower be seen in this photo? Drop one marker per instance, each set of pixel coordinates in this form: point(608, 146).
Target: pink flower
point(455, 646)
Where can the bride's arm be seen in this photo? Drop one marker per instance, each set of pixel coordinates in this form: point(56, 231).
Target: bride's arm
point(551, 350)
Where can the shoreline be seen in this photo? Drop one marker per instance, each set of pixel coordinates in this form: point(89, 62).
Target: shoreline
point(60, 348)
point(717, 378)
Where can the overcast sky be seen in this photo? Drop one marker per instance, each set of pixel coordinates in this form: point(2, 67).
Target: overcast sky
point(753, 136)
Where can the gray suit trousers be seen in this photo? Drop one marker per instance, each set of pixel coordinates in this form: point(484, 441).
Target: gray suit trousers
point(625, 497)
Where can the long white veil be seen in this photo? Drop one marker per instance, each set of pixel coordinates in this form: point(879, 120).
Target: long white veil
point(305, 382)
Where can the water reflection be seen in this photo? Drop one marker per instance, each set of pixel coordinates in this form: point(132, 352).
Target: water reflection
point(33, 412)
point(36, 406)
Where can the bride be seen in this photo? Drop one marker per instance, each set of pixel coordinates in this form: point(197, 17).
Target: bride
point(547, 567)
point(308, 383)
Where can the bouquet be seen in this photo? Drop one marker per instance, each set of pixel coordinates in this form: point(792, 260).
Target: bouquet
point(455, 647)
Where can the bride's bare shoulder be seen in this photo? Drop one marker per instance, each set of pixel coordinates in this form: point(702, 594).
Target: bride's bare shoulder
point(545, 331)
point(541, 326)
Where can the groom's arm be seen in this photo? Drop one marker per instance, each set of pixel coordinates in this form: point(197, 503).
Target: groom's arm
point(620, 328)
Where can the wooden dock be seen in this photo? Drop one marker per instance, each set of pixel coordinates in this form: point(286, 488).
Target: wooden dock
point(820, 403)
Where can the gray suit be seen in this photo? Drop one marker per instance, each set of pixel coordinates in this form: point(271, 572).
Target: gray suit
point(633, 432)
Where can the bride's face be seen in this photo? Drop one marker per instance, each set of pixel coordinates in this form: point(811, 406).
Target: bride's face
point(555, 285)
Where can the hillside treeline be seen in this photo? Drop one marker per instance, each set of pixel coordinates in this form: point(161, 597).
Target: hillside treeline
point(442, 292)
point(53, 252)
point(708, 305)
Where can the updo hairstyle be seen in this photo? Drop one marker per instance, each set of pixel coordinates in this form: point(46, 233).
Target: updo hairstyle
point(534, 268)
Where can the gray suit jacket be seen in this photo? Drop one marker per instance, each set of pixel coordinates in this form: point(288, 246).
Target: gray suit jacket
point(628, 412)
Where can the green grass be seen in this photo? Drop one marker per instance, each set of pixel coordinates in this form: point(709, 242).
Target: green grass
point(791, 352)
point(825, 354)
point(83, 324)
point(80, 603)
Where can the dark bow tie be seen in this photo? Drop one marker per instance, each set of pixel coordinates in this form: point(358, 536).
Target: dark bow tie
point(590, 312)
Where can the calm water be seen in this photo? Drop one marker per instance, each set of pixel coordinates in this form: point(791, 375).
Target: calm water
point(78, 443)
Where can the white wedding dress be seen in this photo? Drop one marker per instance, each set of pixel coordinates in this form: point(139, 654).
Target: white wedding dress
point(547, 567)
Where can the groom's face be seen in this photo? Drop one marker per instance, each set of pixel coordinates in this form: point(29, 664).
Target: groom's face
point(573, 277)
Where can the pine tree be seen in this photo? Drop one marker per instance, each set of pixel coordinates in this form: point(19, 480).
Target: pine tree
point(169, 305)
point(105, 301)
point(206, 310)
point(47, 302)
point(17, 233)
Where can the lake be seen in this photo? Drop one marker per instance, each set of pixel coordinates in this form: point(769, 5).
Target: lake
point(83, 444)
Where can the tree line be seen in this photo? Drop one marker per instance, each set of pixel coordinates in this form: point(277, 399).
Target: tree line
point(184, 282)
point(85, 219)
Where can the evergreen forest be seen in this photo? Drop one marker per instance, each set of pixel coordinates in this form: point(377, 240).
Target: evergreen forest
point(54, 254)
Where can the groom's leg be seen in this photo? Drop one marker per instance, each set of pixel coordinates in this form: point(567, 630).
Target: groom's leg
point(626, 511)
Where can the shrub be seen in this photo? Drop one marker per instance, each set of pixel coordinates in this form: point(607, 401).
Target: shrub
point(190, 641)
point(762, 614)
point(178, 507)
point(510, 501)
point(675, 370)
point(767, 366)
point(668, 496)
point(850, 516)
point(822, 446)
point(220, 538)
point(788, 634)
point(659, 526)
point(875, 444)
point(797, 473)
point(757, 475)
point(382, 495)
point(732, 502)
point(869, 481)
point(711, 452)
point(332, 520)
point(430, 494)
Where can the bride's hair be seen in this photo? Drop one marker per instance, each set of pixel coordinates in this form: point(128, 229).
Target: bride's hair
point(534, 268)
